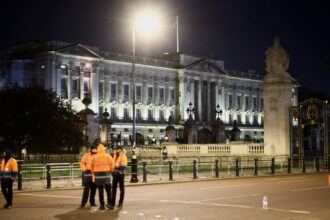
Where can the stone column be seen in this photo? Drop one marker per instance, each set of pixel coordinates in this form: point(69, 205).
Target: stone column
point(144, 89)
point(181, 97)
point(94, 89)
point(107, 86)
point(69, 82)
point(209, 106)
point(277, 87)
point(156, 91)
point(81, 82)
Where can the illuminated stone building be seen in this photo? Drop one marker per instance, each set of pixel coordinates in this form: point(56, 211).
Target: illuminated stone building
point(165, 85)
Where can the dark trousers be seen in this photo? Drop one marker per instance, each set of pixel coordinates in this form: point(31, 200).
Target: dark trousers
point(89, 186)
point(107, 190)
point(118, 178)
point(7, 191)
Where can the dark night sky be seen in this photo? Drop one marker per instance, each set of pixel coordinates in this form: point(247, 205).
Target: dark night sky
point(237, 31)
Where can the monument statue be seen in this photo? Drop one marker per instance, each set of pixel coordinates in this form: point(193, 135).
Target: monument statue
point(277, 59)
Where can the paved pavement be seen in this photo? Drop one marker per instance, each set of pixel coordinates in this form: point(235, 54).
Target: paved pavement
point(289, 197)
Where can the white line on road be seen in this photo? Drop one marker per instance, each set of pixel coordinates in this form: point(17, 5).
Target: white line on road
point(229, 197)
point(222, 187)
point(147, 193)
point(291, 181)
point(53, 196)
point(308, 189)
point(234, 206)
point(289, 178)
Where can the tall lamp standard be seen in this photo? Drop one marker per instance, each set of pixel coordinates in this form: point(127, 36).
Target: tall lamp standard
point(147, 23)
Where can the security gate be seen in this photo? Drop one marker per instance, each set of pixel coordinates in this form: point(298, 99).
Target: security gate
point(309, 129)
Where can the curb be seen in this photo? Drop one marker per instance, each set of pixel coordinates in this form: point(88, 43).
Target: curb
point(177, 181)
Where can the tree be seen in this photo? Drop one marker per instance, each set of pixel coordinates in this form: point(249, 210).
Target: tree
point(36, 119)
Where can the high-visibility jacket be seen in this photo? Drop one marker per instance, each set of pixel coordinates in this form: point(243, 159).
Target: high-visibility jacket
point(86, 167)
point(120, 163)
point(102, 166)
point(8, 170)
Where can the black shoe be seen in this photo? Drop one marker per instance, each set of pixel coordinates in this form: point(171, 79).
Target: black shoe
point(5, 206)
point(8, 207)
point(82, 206)
point(120, 205)
point(93, 204)
point(102, 207)
point(110, 206)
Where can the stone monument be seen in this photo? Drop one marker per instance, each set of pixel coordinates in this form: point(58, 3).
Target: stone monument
point(218, 128)
point(170, 131)
point(278, 88)
point(105, 125)
point(190, 127)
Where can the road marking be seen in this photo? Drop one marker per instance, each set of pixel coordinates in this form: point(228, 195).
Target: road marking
point(222, 187)
point(158, 216)
point(290, 181)
point(308, 189)
point(141, 214)
point(124, 212)
point(53, 196)
point(176, 218)
point(291, 211)
point(289, 178)
point(229, 197)
point(235, 206)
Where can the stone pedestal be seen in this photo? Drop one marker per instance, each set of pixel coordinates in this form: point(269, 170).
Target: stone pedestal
point(87, 124)
point(171, 133)
point(105, 125)
point(278, 88)
point(235, 133)
point(219, 131)
point(191, 131)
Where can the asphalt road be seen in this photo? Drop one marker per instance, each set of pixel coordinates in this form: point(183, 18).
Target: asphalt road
point(289, 197)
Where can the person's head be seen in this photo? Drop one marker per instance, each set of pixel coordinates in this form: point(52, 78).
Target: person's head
point(93, 149)
point(7, 153)
point(119, 149)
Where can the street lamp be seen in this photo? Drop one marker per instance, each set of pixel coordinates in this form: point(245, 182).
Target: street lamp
point(147, 23)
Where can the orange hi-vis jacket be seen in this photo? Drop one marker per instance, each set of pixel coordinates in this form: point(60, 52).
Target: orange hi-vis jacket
point(8, 170)
point(102, 166)
point(120, 163)
point(86, 167)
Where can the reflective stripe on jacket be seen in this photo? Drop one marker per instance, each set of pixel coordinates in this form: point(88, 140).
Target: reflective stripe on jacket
point(8, 170)
point(120, 163)
point(86, 166)
point(102, 165)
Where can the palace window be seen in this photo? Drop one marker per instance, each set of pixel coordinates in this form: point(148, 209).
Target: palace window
point(100, 111)
point(138, 91)
point(172, 95)
point(230, 101)
point(172, 115)
point(238, 99)
point(113, 90)
point(126, 90)
point(150, 92)
point(75, 85)
point(85, 86)
point(255, 119)
point(138, 114)
point(230, 119)
point(100, 90)
point(261, 104)
point(63, 84)
point(254, 104)
point(149, 114)
point(113, 113)
point(161, 94)
point(246, 103)
point(161, 115)
point(247, 119)
point(125, 113)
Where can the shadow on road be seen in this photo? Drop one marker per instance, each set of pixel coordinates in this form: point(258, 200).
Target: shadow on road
point(89, 214)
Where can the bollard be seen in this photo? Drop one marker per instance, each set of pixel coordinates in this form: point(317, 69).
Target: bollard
point(237, 168)
point(48, 176)
point(273, 165)
point(170, 170)
point(317, 164)
point(134, 178)
point(144, 172)
point(195, 169)
point(217, 168)
point(289, 165)
point(256, 167)
point(304, 165)
point(19, 176)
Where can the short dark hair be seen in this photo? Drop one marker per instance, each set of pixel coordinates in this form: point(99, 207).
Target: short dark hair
point(119, 148)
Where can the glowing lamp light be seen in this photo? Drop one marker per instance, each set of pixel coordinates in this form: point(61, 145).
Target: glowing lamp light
point(147, 23)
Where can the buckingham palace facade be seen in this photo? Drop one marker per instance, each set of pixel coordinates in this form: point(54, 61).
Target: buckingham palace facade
point(165, 85)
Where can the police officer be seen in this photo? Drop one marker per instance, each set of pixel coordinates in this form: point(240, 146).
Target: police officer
point(102, 166)
point(120, 160)
point(8, 174)
point(89, 185)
